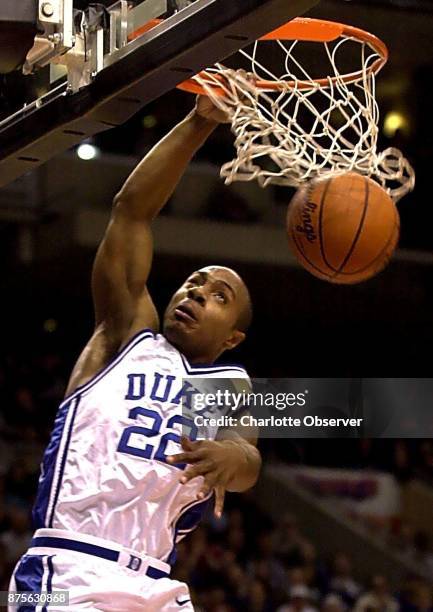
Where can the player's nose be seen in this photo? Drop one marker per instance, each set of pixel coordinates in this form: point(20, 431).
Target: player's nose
point(196, 294)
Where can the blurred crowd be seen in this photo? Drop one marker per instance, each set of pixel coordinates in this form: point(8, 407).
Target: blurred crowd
point(248, 563)
point(242, 562)
point(404, 458)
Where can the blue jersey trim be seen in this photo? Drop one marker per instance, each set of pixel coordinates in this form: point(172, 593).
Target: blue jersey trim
point(187, 520)
point(89, 549)
point(28, 577)
point(48, 467)
point(155, 573)
point(206, 369)
point(136, 339)
point(139, 336)
point(62, 466)
point(51, 574)
point(50, 461)
point(49, 579)
point(83, 547)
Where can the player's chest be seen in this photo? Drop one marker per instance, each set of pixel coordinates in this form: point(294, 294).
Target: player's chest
point(143, 412)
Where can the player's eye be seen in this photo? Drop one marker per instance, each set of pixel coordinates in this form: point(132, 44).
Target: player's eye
point(221, 297)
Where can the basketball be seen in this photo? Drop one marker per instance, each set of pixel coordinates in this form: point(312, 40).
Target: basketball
point(343, 229)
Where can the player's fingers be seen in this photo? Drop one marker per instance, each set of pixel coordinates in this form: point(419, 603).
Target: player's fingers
point(187, 444)
point(252, 78)
point(189, 457)
point(199, 469)
point(179, 458)
point(211, 480)
point(205, 489)
point(220, 494)
point(246, 76)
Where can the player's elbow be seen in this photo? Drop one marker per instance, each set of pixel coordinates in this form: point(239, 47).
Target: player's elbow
point(124, 199)
point(130, 205)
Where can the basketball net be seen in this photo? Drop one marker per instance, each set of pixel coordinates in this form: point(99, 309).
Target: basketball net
point(290, 127)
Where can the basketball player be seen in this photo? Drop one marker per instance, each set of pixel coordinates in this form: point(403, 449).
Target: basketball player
point(113, 499)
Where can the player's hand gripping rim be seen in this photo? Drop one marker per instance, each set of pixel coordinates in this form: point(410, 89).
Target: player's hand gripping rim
point(207, 109)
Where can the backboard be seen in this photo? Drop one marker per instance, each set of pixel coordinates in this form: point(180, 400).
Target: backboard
point(130, 72)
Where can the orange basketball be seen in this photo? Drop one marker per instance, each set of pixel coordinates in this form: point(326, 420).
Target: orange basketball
point(343, 229)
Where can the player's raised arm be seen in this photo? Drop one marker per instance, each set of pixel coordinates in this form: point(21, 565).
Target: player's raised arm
point(124, 258)
point(153, 181)
point(122, 265)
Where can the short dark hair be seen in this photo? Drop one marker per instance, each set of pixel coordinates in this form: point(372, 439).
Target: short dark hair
point(246, 315)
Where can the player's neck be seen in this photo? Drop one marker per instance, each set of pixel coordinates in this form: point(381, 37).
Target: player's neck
point(192, 357)
point(196, 359)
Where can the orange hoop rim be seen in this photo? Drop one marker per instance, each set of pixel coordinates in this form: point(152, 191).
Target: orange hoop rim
point(149, 25)
point(311, 30)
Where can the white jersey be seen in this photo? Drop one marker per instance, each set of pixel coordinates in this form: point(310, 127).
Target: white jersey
point(104, 472)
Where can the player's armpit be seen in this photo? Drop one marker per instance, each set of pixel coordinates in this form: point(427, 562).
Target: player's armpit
point(98, 351)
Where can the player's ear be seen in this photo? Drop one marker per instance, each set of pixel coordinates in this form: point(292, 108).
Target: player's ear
point(235, 338)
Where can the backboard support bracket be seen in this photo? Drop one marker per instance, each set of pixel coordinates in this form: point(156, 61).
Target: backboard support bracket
point(199, 35)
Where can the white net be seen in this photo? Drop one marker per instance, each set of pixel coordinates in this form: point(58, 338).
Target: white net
point(290, 129)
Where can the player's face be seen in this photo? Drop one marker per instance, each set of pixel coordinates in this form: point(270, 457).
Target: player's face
point(202, 315)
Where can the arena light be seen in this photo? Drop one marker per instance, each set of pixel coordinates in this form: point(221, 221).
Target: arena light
point(149, 122)
point(87, 151)
point(394, 121)
point(50, 326)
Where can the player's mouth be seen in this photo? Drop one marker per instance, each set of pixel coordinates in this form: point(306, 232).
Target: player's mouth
point(185, 312)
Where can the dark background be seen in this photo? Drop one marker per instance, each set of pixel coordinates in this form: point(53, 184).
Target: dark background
point(379, 328)
point(302, 326)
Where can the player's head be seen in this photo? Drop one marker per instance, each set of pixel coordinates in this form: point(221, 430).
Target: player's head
point(209, 314)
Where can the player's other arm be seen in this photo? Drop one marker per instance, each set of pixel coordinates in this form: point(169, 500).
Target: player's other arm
point(230, 463)
point(240, 446)
point(238, 443)
point(122, 302)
